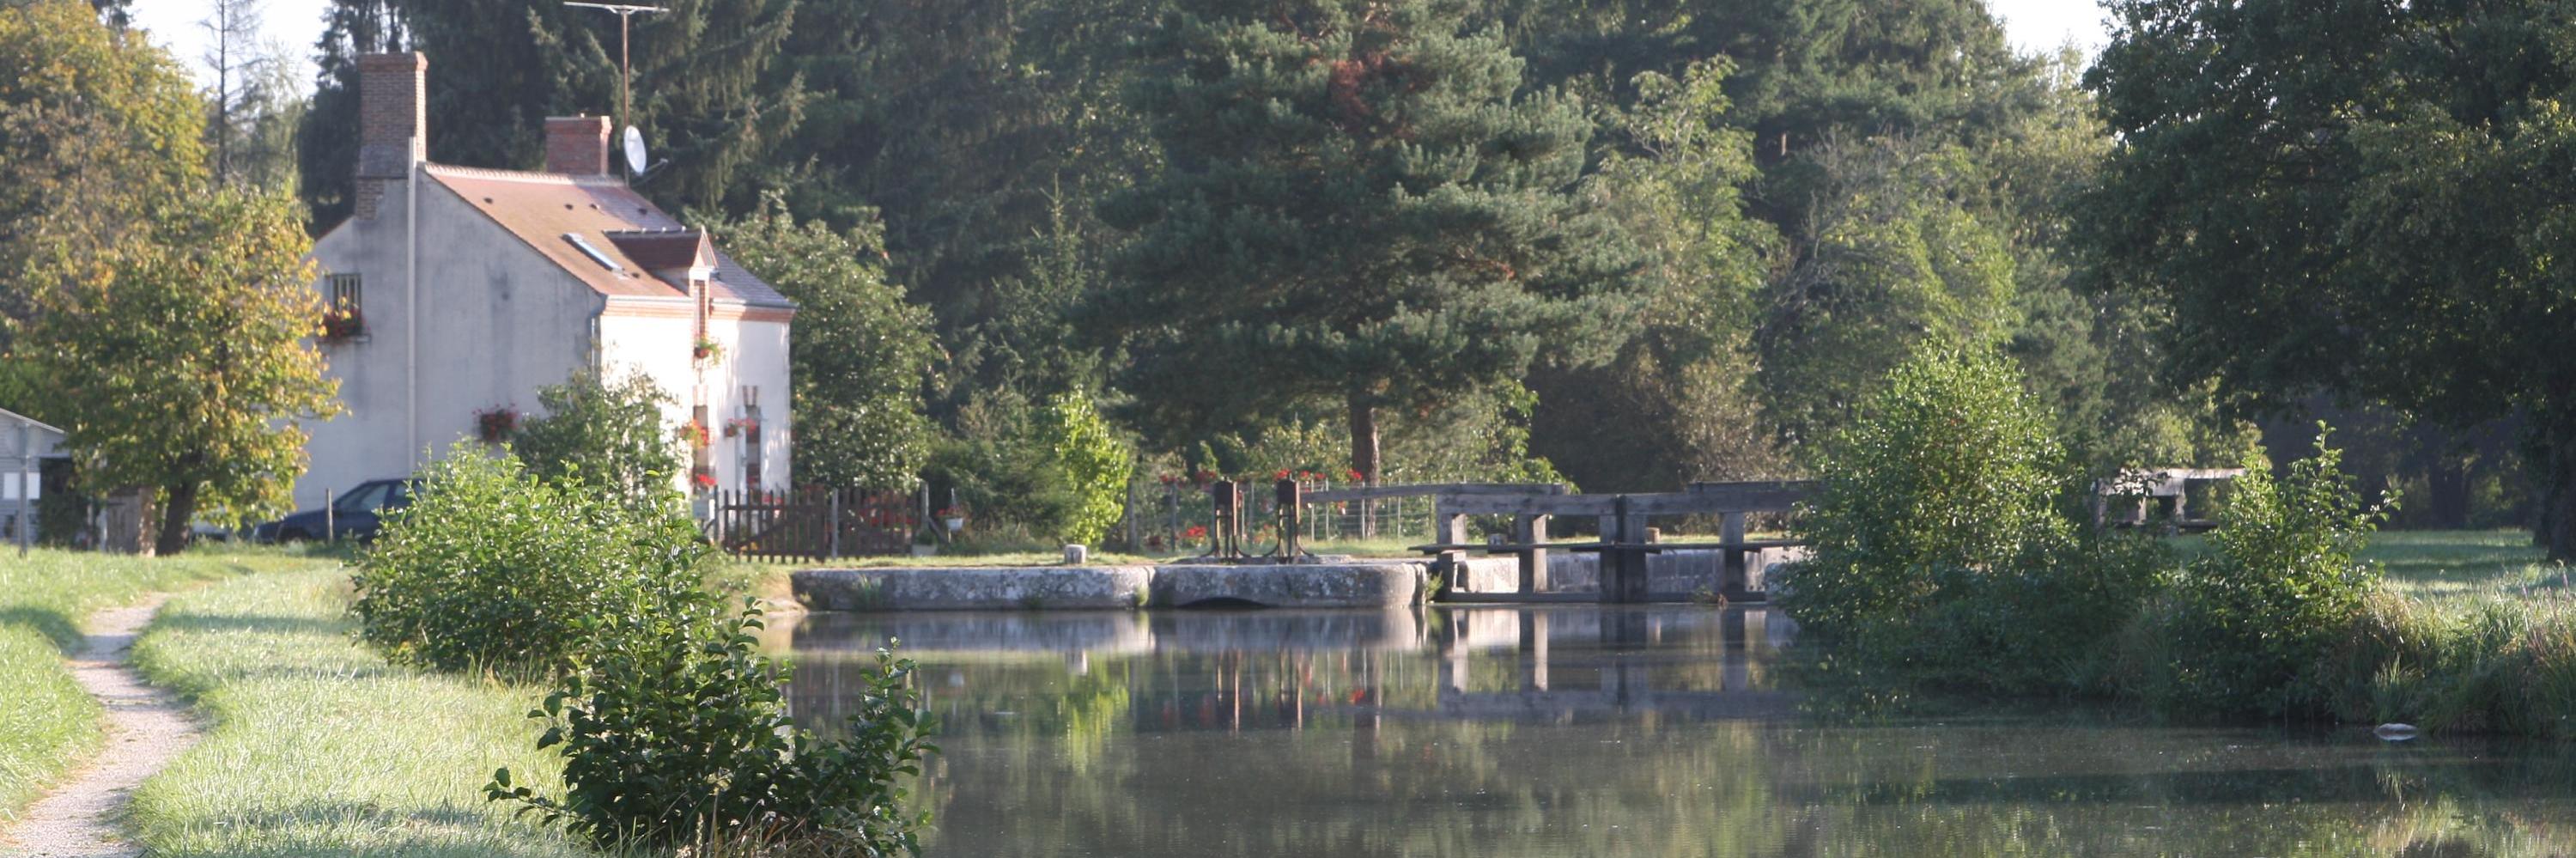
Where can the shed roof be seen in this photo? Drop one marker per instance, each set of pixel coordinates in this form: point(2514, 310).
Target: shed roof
point(12, 418)
point(578, 221)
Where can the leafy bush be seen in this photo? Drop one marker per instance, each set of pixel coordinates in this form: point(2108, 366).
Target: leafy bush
point(1942, 549)
point(606, 432)
point(859, 351)
point(2252, 622)
point(492, 568)
point(674, 733)
point(1095, 464)
point(1056, 469)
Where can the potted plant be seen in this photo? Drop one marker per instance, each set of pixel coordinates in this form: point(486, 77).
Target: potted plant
point(693, 432)
point(953, 518)
point(706, 349)
point(494, 425)
point(339, 324)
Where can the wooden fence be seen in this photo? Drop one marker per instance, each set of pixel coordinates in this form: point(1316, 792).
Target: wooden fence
point(812, 524)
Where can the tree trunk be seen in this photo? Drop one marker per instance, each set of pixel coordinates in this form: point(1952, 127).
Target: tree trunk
point(2446, 491)
point(2552, 453)
point(1364, 456)
point(179, 505)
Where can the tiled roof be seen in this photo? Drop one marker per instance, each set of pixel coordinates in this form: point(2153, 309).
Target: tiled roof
point(576, 221)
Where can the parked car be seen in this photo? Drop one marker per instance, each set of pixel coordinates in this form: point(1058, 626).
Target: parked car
point(356, 515)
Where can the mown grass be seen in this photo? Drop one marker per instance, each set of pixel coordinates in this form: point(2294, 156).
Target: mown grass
point(2445, 564)
point(317, 746)
point(47, 724)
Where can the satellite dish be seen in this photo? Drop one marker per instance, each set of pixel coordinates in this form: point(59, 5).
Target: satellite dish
point(634, 151)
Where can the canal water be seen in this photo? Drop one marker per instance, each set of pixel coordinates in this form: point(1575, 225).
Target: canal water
point(1583, 731)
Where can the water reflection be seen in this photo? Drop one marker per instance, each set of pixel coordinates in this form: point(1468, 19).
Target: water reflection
point(1584, 731)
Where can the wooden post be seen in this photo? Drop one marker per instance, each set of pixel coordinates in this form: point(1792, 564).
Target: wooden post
point(1450, 528)
point(1532, 530)
point(330, 519)
point(1733, 579)
point(1623, 565)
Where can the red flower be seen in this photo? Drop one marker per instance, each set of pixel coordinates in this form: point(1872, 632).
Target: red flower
point(1195, 532)
point(1356, 476)
point(703, 480)
point(1283, 474)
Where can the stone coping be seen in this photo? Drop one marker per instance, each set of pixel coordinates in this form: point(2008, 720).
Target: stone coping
point(967, 588)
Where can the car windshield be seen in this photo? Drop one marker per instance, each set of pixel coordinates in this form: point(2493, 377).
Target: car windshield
point(368, 498)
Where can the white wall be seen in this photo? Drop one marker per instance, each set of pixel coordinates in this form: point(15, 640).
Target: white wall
point(497, 321)
point(753, 354)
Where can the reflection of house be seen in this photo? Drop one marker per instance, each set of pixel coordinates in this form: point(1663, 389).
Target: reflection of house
point(456, 292)
point(32, 464)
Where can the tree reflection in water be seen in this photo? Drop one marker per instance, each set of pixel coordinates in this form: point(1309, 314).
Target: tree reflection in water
point(1584, 731)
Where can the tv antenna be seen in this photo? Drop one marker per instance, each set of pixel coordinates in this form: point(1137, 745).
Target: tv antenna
point(625, 76)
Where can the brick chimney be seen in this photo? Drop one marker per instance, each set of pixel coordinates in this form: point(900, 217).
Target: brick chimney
point(577, 145)
point(393, 122)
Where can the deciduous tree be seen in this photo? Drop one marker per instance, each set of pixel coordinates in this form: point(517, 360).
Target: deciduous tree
point(179, 358)
point(860, 354)
point(96, 129)
point(2364, 198)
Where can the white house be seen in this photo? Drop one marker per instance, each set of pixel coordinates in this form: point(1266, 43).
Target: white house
point(457, 292)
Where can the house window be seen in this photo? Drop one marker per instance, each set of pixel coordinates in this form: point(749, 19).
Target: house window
point(342, 318)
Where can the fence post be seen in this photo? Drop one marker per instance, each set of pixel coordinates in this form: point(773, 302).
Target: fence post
point(836, 524)
point(330, 519)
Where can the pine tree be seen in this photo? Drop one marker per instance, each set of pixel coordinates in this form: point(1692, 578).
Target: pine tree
point(1358, 204)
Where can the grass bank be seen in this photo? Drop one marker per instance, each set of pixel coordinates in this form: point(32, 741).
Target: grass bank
point(316, 746)
point(2471, 631)
point(48, 725)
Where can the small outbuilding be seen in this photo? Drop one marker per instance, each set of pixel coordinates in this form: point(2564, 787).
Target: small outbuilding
point(31, 458)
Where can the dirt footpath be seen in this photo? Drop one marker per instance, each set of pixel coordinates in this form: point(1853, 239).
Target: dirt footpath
point(146, 727)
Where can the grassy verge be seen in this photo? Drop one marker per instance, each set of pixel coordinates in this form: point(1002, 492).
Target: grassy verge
point(317, 746)
point(2472, 631)
point(48, 724)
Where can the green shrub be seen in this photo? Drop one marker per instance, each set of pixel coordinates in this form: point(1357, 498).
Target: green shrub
point(2250, 626)
point(492, 568)
point(1095, 464)
point(606, 432)
point(674, 733)
point(1056, 470)
point(1943, 553)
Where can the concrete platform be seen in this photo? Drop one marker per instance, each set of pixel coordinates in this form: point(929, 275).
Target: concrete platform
point(1304, 585)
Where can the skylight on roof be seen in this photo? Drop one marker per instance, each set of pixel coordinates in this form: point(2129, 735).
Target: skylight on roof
point(592, 252)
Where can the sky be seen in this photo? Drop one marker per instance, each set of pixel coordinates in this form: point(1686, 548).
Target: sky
point(2034, 25)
